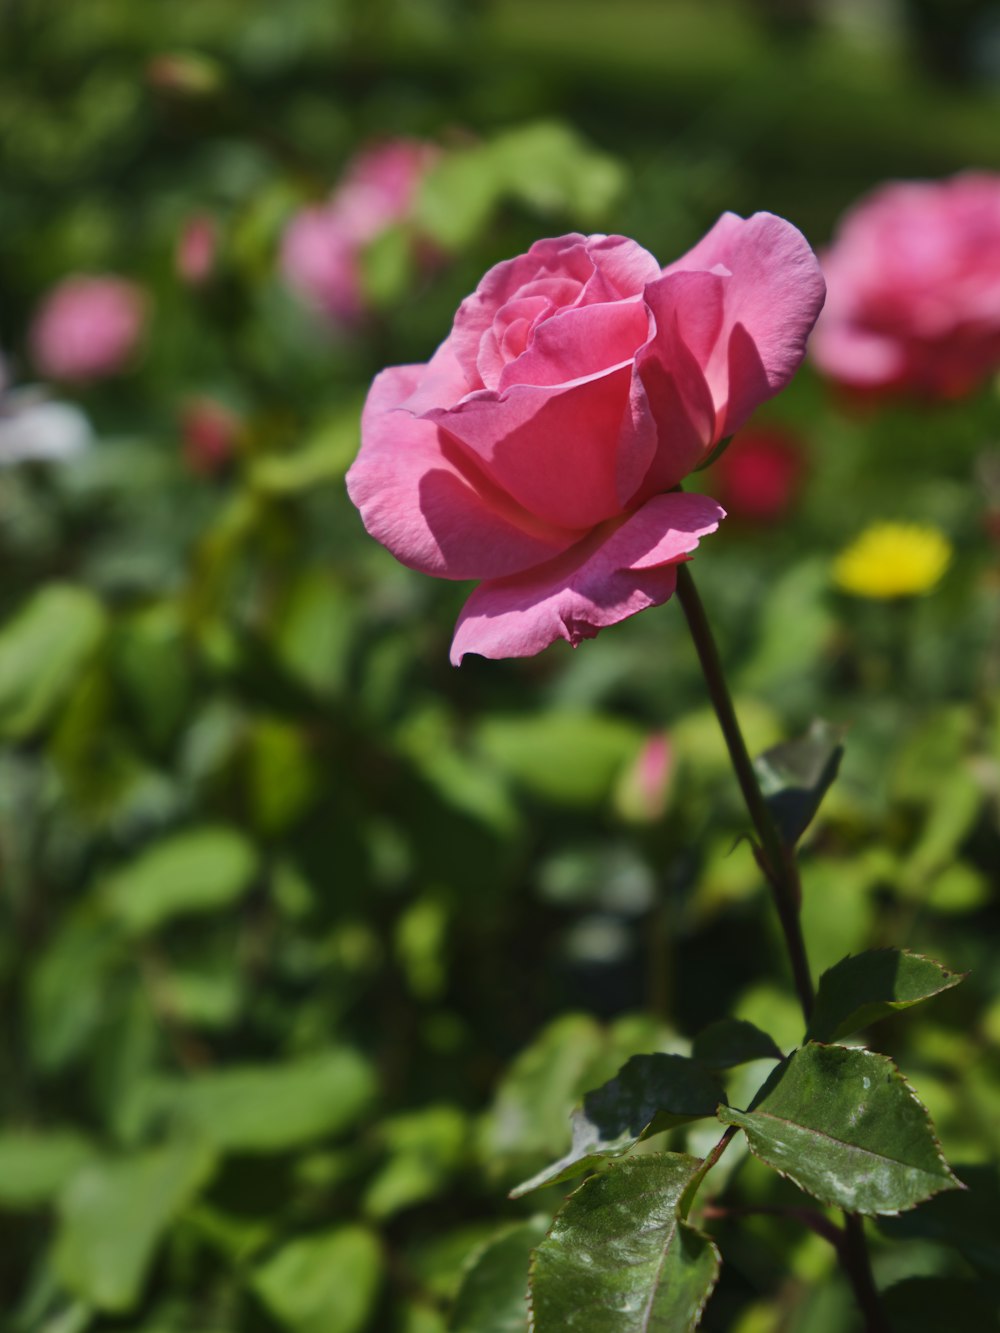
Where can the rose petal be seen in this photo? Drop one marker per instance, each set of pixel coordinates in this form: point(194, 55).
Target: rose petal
point(554, 449)
point(565, 257)
point(622, 268)
point(669, 389)
point(570, 271)
point(604, 579)
point(579, 342)
point(423, 499)
point(773, 293)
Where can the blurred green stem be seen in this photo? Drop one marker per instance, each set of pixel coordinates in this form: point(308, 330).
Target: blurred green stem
point(775, 859)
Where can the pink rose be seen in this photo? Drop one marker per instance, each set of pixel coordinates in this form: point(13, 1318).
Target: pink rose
point(539, 447)
point(87, 328)
point(914, 288)
point(322, 246)
point(760, 475)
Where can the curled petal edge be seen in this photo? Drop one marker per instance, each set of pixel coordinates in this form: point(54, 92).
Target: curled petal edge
point(614, 573)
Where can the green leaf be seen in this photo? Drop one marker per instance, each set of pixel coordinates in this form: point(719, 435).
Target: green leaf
point(265, 1108)
point(387, 266)
point(427, 1147)
point(198, 870)
point(464, 782)
point(795, 776)
point(550, 168)
point(35, 1166)
point(527, 1123)
point(43, 649)
point(457, 196)
point(493, 1297)
point(795, 625)
point(68, 988)
point(314, 632)
point(321, 460)
point(845, 1126)
point(649, 1093)
point(325, 1283)
point(114, 1214)
point(282, 775)
point(733, 1041)
point(862, 989)
point(619, 1260)
point(568, 758)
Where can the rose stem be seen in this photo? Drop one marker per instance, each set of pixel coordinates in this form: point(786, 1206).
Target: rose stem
point(775, 860)
point(778, 864)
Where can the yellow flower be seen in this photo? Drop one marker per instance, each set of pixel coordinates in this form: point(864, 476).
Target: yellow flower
point(893, 560)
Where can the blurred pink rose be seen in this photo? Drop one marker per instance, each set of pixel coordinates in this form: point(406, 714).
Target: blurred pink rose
point(87, 327)
point(914, 288)
point(644, 788)
point(760, 475)
point(194, 257)
point(209, 431)
point(322, 246)
point(539, 447)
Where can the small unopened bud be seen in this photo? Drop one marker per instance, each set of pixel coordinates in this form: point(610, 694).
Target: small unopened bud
point(643, 791)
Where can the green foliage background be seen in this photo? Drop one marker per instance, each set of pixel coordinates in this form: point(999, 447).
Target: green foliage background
point(310, 943)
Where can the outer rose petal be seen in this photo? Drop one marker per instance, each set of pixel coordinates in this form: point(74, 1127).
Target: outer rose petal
point(422, 498)
point(773, 293)
point(605, 578)
point(670, 396)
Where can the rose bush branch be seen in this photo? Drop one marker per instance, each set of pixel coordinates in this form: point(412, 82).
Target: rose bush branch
point(540, 452)
point(776, 860)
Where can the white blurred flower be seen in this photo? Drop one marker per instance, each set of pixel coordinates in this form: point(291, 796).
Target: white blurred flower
point(33, 427)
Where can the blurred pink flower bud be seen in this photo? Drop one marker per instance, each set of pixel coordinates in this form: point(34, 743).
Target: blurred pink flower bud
point(194, 257)
point(322, 246)
point(644, 790)
point(913, 289)
point(87, 327)
point(209, 432)
point(185, 74)
point(760, 475)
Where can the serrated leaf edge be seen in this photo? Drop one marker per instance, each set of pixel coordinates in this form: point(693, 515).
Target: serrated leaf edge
point(952, 980)
point(951, 1182)
point(681, 1222)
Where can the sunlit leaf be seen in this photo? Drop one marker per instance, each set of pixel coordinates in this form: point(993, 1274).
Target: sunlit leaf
point(263, 1108)
point(324, 1283)
point(567, 758)
point(619, 1260)
point(34, 1166)
point(426, 1147)
point(197, 870)
point(113, 1215)
point(42, 650)
point(845, 1127)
